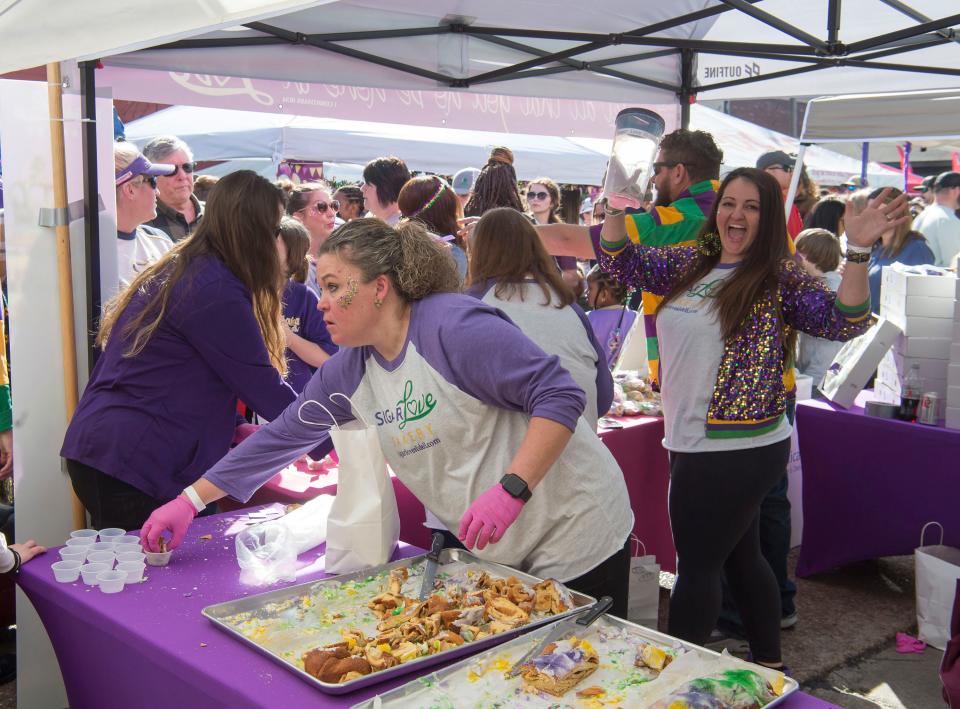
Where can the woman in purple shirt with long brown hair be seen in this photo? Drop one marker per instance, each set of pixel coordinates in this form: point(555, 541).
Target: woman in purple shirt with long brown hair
point(195, 331)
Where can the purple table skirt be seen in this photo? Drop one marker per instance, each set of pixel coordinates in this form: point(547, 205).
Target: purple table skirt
point(149, 646)
point(870, 484)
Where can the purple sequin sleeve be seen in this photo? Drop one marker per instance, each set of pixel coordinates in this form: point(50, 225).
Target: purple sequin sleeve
point(649, 268)
point(811, 307)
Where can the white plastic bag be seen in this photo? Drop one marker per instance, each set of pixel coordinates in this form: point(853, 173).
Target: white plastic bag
point(643, 601)
point(364, 524)
point(267, 552)
point(937, 570)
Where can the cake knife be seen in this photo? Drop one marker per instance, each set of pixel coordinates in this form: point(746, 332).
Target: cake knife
point(582, 619)
point(430, 572)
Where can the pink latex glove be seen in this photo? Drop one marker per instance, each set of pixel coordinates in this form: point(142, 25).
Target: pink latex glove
point(489, 517)
point(174, 516)
point(908, 643)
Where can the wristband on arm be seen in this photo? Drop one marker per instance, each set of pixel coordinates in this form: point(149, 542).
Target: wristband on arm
point(194, 498)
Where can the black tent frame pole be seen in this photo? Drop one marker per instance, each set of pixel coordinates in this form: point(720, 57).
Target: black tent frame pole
point(686, 86)
point(91, 206)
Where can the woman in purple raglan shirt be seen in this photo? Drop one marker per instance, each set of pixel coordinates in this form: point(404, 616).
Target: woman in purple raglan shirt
point(193, 332)
point(479, 422)
point(308, 342)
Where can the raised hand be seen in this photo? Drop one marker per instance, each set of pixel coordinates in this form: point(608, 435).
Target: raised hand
point(877, 217)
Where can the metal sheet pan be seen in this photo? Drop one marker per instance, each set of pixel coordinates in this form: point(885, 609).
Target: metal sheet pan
point(285, 636)
point(462, 685)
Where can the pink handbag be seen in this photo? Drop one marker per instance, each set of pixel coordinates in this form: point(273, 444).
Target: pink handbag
point(950, 667)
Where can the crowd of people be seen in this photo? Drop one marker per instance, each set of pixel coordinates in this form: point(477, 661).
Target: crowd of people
point(495, 327)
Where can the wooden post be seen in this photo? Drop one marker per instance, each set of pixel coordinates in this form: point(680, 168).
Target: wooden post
point(64, 267)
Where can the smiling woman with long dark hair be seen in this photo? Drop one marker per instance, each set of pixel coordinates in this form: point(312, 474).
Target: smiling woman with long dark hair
point(192, 333)
point(726, 329)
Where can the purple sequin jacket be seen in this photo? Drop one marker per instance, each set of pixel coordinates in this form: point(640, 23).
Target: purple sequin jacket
point(751, 389)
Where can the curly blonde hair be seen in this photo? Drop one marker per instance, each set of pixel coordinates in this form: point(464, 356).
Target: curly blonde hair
point(417, 264)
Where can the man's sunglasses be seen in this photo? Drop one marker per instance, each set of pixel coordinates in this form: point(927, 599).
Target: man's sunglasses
point(657, 166)
point(537, 195)
point(187, 167)
point(322, 207)
point(780, 167)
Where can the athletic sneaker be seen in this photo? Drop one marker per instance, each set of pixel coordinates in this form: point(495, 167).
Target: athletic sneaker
point(788, 621)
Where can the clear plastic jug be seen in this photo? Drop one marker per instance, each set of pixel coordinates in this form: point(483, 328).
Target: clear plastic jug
point(635, 145)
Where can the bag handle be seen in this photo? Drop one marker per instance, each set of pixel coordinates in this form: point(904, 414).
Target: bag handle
point(327, 426)
point(638, 543)
point(353, 409)
point(924, 531)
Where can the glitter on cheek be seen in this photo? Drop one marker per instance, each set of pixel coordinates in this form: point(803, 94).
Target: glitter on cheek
point(346, 299)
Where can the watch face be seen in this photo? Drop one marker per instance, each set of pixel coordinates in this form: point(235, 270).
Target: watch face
point(515, 485)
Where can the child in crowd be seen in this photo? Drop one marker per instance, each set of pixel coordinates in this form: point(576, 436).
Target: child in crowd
point(610, 315)
point(818, 251)
point(308, 343)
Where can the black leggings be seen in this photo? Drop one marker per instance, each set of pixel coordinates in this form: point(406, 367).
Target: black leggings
point(610, 578)
point(112, 502)
point(714, 513)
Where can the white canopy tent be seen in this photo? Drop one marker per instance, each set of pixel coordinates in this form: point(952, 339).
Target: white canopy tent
point(930, 120)
point(624, 50)
point(223, 134)
point(921, 117)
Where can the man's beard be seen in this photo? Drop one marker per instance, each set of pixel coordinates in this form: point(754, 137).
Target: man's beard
point(664, 198)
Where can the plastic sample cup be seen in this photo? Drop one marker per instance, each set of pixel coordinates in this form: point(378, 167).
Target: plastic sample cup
point(101, 557)
point(158, 558)
point(73, 554)
point(127, 556)
point(81, 542)
point(102, 546)
point(111, 581)
point(84, 534)
point(133, 569)
point(126, 539)
point(66, 571)
point(90, 571)
point(110, 533)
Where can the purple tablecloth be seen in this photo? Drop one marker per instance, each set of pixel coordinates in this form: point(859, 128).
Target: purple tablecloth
point(870, 484)
point(150, 647)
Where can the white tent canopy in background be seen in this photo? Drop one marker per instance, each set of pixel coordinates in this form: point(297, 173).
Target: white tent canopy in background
point(928, 119)
point(223, 134)
point(621, 50)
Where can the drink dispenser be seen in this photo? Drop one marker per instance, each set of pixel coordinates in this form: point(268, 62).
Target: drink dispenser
point(635, 145)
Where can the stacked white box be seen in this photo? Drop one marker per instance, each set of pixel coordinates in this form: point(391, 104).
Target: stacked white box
point(921, 300)
point(952, 412)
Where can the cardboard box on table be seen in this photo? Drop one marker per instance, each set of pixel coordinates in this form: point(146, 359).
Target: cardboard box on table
point(857, 361)
point(953, 417)
point(914, 298)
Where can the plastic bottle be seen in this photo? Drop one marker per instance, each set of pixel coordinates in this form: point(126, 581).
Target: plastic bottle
point(635, 144)
point(911, 392)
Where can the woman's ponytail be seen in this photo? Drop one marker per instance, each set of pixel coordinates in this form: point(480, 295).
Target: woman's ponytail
point(425, 265)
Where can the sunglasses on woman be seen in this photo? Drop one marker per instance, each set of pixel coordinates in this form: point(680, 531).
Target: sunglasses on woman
point(537, 195)
point(149, 180)
point(322, 207)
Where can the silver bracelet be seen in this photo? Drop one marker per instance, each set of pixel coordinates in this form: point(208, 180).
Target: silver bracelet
point(853, 248)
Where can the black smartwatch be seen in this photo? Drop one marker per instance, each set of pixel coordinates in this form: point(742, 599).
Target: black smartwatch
point(516, 486)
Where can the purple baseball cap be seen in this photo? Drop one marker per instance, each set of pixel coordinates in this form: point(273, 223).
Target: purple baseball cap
point(142, 166)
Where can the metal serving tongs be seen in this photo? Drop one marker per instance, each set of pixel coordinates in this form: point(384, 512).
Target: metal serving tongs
point(430, 572)
point(583, 620)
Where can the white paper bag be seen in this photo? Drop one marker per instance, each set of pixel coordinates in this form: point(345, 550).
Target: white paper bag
point(937, 570)
point(364, 524)
point(643, 601)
